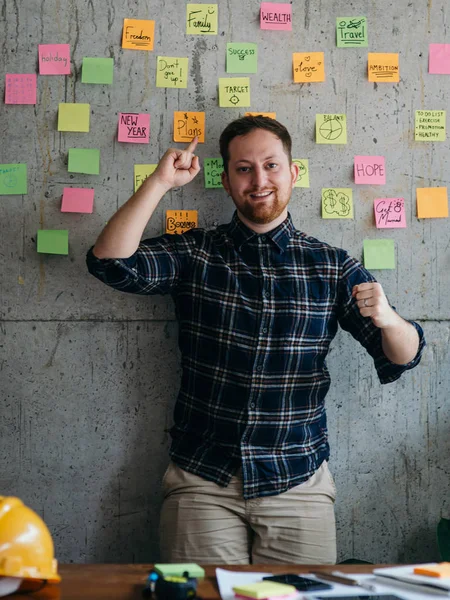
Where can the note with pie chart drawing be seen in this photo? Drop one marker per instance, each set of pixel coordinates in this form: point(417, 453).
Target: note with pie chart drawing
point(331, 129)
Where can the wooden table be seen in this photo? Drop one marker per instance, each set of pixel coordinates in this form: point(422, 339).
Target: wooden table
point(125, 582)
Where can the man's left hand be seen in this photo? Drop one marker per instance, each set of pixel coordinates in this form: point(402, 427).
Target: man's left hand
point(372, 303)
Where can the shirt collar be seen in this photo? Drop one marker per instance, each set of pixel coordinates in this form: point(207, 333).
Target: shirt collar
point(280, 236)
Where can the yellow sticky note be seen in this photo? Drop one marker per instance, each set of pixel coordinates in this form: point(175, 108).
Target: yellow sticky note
point(179, 221)
point(383, 67)
point(337, 203)
point(73, 117)
point(271, 115)
point(138, 34)
point(303, 172)
point(171, 72)
point(308, 67)
point(432, 203)
point(201, 19)
point(141, 172)
point(331, 129)
point(187, 125)
point(234, 91)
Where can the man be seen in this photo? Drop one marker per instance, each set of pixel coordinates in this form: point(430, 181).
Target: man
point(258, 304)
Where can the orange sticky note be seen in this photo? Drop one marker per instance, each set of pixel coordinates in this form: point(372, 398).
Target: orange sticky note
point(271, 115)
point(383, 67)
point(187, 125)
point(432, 203)
point(138, 34)
point(308, 66)
point(179, 221)
point(439, 570)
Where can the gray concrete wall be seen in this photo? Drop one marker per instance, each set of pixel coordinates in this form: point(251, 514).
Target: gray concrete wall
point(89, 375)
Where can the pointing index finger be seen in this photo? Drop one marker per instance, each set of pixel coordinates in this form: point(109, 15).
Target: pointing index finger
point(192, 145)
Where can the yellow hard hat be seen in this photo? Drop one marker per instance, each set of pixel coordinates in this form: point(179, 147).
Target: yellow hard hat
point(26, 546)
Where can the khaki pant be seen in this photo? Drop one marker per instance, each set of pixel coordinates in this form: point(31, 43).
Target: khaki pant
point(203, 522)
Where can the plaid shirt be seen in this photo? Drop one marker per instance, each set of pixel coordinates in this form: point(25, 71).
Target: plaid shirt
point(256, 317)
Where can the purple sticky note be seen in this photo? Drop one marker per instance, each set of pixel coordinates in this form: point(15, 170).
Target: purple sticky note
point(276, 16)
point(389, 212)
point(54, 59)
point(439, 59)
point(370, 169)
point(20, 88)
point(78, 200)
point(134, 128)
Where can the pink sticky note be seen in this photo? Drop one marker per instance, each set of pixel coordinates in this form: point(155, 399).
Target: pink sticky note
point(276, 16)
point(20, 88)
point(54, 59)
point(134, 128)
point(389, 212)
point(370, 169)
point(78, 200)
point(439, 59)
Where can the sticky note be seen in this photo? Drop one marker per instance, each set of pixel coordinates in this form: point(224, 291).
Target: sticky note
point(383, 67)
point(242, 58)
point(234, 91)
point(303, 172)
point(138, 34)
point(439, 59)
point(20, 88)
point(177, 569)
point(97, 70)
point(134, 128)
point(337, 203)
point(430, 126)
point(53, 241)
point(440, 570)
point(331, 129)
point(179, 221)
point(54, 59)
point(308, 67)
point(276, 16)
point(351, 32)
point(389, 213)
point(432, 203)
point(370, 170)
point(213, 169)
point(187, 125)
point(171, 72)
point(141, 172)
point(77, 200)
point(73, 117)
point(13, 179)
point(379, 254)
point(201, 19)
point(84, 160)
point(270, 115)
point(264, 589)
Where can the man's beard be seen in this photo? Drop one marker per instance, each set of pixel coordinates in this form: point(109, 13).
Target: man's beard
point(262, 212)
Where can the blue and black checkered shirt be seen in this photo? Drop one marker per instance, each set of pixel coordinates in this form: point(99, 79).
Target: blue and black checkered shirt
point(257, 313)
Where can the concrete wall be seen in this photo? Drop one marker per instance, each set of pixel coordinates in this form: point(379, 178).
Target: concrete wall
point(89, 375)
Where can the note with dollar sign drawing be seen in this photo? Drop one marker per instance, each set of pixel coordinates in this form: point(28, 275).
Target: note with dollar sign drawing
point(337, 203)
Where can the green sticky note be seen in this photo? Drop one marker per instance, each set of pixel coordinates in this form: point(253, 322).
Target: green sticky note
point(84, 160)
point(234, 91)
point(242, 58)
point(351, 32)
point(430, 126)
point(53, 241)
point(171, 72)
point(73, 117)
point(13, 179)
point(337, 203)
point(303, 172)
point(97, 70)
point(379, 254)
point(177, 569)
point(213, 168)
point(331, 129)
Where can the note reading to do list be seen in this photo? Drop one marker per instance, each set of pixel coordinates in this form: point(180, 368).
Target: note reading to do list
point(20, 88)
point(276, 16)
point(383, 67)
point(187, 125)
point(331, 129)
point(179, 221)
point(439, 59)
point(171, 72)
point(308, 67)
point(201, 19)
point(351, 32)
point(302, 180)
point(389, 212)
point(234, 91)
point(242, 58)
point(134, 128)
point(432, 203)
point(54, 59)
point(138, 34)
point(430, 126)
point(213, 169)
point(13, 179)
point(141, 172)
point(337, 203)
point(370, 170)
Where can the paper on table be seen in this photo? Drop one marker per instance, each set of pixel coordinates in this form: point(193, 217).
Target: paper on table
point(406, 574)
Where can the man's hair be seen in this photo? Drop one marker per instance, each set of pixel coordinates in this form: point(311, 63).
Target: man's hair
point(245, 125)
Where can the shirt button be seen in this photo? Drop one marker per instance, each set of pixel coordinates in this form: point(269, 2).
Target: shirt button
point(266, 293)
point(259, 368)
point(252, 405)
point(264, 329)
point(263, 238)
